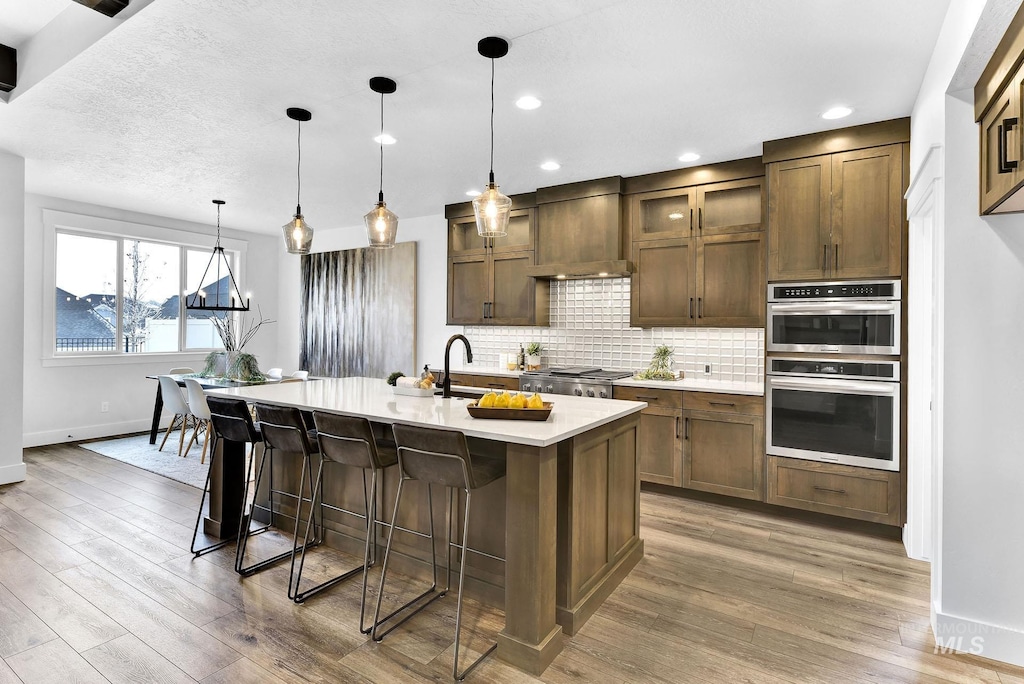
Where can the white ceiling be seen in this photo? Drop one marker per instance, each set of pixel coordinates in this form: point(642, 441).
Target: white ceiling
point(185, 101)
point(22, 19)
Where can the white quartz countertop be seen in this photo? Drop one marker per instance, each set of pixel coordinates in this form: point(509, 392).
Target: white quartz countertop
point(687, 384)
point(373, 399)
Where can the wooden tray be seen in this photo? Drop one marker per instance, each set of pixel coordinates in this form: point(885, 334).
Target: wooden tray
point(509, 413)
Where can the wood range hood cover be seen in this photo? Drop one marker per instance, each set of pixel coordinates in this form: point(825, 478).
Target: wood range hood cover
point(580, 231)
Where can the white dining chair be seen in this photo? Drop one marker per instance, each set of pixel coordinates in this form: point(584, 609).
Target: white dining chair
point(200, 411)
point(183, 370)
point(301, 375)
point(175, 402)
point(275, 373)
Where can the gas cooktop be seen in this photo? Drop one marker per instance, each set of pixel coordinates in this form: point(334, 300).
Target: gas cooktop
point(581, 372)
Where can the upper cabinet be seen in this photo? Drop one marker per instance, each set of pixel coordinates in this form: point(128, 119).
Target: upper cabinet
point(487, 277)
point(998, 110)
point(698, 251)
point(839, 215)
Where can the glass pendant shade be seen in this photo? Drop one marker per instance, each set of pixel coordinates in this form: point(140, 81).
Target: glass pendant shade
point(298, 235)
point(381, 226)
point(492, 210)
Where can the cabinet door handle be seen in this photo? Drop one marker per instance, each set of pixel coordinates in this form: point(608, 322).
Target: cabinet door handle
point(686, 428)
point(490, 309)
point(484, 314)
point(691, 307)
point(829, 489)
point(643, 398)
point(722, 403)
point(1006, 165)
point(496, 384)
point(700, 219)
point(691, 221)
point(835, 261)
point(677, 427)
point(700, 307)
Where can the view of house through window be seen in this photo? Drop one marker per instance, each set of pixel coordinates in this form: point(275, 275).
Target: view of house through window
point(142, 310)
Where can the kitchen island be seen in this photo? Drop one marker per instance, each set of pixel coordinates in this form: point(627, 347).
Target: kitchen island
point(565, 517)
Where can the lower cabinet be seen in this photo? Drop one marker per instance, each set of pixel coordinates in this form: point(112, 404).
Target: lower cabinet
point(724, 453)
point(661, 446)
point(861, 493)
point(496, 382)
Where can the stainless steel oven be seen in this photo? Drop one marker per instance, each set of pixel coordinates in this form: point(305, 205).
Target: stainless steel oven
point(853, 317)
point(834, 410)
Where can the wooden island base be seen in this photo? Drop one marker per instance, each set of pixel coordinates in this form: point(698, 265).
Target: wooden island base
point(566, 518)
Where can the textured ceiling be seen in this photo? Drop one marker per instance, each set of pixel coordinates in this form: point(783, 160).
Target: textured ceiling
point(185, 101)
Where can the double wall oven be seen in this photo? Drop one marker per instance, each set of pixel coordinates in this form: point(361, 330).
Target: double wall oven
point(833, 375)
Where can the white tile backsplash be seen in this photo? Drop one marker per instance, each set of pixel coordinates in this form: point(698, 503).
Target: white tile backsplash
point(590, 326)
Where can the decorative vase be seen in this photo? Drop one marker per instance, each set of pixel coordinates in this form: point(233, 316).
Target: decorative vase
point(532, 362)
point(231, 364)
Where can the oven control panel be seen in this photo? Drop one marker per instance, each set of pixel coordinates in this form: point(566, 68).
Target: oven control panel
point(873, 289)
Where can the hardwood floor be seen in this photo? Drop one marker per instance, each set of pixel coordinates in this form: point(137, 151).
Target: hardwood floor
point(96, 584)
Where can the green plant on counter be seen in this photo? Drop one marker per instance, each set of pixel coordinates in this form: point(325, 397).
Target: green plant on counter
point(393, 378)
point(661, 366)
point(246, 368)
point(534, 349)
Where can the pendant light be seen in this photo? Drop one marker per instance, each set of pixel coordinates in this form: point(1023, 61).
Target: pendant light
point(381, 222)
point(298, 235)
point(225, 292)
point(491, 208)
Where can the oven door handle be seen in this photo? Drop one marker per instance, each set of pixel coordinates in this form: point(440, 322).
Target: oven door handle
point(829, 307)
point(880, 388)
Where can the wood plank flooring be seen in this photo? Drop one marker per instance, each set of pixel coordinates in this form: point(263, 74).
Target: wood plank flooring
point(96, 584)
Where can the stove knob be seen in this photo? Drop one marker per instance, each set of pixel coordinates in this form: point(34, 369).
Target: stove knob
point(590, 393)
point(578, 392)
point(604, 395)
point(550, 388)
point(525, 387)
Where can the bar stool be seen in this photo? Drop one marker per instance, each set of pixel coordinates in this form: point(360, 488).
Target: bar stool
point(348, 441)
point(232, 421)
point(283, 430)
point(435, 456)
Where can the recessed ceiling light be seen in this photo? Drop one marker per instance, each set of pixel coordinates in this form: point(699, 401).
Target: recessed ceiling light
point(472, 193)
point(551, 166)
point(689, 157)
point(528, 102)
point(837, 113)
point(384, 139)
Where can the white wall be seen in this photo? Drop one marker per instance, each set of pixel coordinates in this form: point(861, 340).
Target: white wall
point(430, 235)
point(62, 402)
point(12, 308)
point(977, 593)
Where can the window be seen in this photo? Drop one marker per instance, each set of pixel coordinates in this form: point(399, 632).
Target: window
point(99, 312)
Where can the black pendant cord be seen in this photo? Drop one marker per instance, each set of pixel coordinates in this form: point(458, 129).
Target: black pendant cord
point(380, 192)
point(298, 175)
point(491, 177)
point(218, 225)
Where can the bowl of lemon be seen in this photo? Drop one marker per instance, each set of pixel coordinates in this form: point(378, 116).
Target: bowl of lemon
point(506, 406)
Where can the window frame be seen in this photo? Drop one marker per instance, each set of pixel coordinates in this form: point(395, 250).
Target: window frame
point(55, 222)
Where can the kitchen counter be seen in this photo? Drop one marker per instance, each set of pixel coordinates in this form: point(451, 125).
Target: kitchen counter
point(565, 517)
point(697, 384)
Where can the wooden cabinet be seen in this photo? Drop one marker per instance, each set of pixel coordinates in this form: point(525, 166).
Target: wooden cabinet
point(861, 493)
point(724, 444)
point(837, 216)
point(999, 109)
point(698, 255)
point(487, 281)
point(661, 433)
point(502, 382)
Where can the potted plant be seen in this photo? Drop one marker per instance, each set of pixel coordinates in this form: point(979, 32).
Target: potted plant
point(533, 351)
point(661, 366)
point(233, 362)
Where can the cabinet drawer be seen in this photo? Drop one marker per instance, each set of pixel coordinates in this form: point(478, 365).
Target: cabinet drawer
point(850, 492)
point(488, 381)
point(654, 397)
point(724, 403)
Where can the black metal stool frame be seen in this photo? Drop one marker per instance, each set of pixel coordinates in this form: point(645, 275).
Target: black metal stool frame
point(464, 547)
point(245, 532)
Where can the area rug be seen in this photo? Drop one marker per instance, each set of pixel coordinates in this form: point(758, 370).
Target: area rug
point(137, 451)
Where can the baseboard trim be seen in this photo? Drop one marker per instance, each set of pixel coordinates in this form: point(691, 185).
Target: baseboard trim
point(12, 473)
point(964, 635)
point(77, 434)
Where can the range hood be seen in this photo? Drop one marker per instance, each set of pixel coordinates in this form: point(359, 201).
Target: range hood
point(580, 231)
point(617, 268)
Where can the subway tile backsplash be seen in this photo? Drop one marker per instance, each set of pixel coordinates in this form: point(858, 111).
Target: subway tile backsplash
point(590, 326)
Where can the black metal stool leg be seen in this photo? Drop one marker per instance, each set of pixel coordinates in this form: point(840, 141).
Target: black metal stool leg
point(370, 504)
point(458, 609)
point(313, 488)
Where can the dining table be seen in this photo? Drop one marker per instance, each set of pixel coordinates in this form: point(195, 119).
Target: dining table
point(206, 382)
